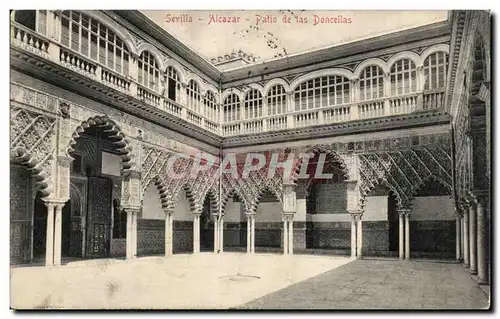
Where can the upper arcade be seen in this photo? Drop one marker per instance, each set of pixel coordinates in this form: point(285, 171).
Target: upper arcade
point(130, 60)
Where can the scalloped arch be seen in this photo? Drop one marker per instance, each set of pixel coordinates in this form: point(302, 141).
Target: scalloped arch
point(22, 156)
point(123, 145)
point(312, 75)
point(317, 149)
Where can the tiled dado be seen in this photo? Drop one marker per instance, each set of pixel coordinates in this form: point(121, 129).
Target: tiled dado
point(432, 236)
point(183, 236)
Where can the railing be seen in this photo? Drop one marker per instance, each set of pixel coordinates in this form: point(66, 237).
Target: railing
point(29, 40)
point(251, 127)
point(115, 80)
point(433, 100)
point(337, 115)
point(370, 109)
point(148, 96)
point(194, 118)
point(277, 123)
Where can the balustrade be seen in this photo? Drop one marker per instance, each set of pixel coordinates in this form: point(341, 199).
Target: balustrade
point(31, 41)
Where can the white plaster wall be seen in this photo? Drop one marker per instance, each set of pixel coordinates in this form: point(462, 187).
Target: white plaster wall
point(376, 208)
point(269, 212)
point(182, 211)
point(329, 217)
point(111, 164)
point(432, 208)
point(151, 205)
point(301, 210)
point(233, 212)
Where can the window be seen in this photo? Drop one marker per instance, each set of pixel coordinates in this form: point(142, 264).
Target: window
point(321, 92)
point(232, 108)
point(94, 40)
point(172, 83)
point(276, 100)
point(435, 68)
point(193, 96)
point(148, 71)
point(211, 109)
point(26, 18)
point(371, 83)
point(403, 77)
point(253, 104)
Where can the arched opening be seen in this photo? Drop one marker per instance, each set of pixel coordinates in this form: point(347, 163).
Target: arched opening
point(328, 223)
point(268, 223)
point(432, 221)
point(96, 178)
point(26, 18)
point(207, 223)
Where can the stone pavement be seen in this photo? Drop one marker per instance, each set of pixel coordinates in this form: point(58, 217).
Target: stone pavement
point(381, 284)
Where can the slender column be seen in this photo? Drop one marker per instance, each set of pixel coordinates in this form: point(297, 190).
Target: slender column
point(457, 236)
point(253, 234)
point(49, 241)
point(461, 238)
point(401, 235)
point(466, 238)
point(168, 234)
point(360, 236)
point(171, 235)
point(353, 235)
point(249, 233)
point(129, 253)
point(285, 235)
point(196, 233)
point(472, 239)
point(221, 234)
point(407, 235)
point(216, 234)
point(290, 236)
point(134, 232)
point(58, 234)
point(482, 262)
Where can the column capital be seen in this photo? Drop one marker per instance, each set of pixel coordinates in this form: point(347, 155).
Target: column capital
point(287, 216)
point(250, 214)
point(404, 211)
point(132, 209)
point(356, 215)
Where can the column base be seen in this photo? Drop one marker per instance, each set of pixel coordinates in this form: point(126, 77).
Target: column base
point(473, 272)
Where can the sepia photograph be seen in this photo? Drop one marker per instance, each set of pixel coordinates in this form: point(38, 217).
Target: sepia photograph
point(250, 160)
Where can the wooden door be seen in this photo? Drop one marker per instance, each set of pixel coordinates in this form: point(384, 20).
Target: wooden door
point(99, 217)
point(20, 215)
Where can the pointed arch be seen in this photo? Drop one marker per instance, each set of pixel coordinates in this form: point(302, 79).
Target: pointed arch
point(267, 188)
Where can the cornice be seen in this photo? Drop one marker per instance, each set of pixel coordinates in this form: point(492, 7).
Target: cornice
point(417, 119)
point(456, 44)
point(68, 79)
point(145, 24)
point(426, 32)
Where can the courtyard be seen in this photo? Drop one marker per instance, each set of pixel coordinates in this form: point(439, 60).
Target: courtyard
point(246, 281)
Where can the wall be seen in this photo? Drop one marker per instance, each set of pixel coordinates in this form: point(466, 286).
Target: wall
point(432, 225)
point(235, 223)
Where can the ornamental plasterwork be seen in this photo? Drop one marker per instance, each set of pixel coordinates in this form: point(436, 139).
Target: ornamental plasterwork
point(32, 143)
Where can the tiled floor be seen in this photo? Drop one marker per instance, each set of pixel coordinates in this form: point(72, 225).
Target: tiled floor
point(381, 284)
